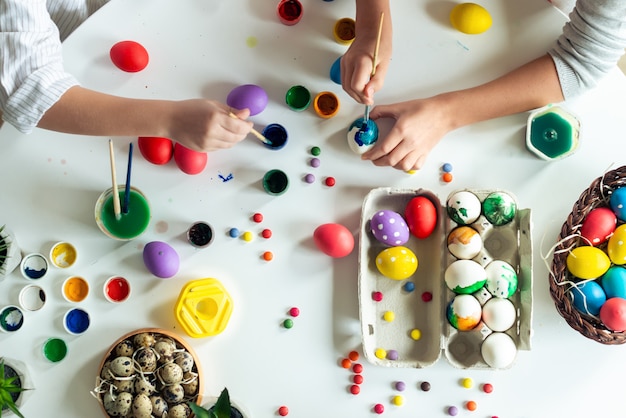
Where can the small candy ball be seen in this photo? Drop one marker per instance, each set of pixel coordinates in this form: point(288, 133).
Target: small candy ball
point(464, 312)
point(248, 96)
point(334, 240)
point(498, 350)
point(396, 263)
point(499, 208)
point(389, 228)
point(362, 136)
point(501, 279)
point(463, 207)
point(464, 242)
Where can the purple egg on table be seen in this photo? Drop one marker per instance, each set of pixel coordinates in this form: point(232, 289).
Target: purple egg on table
point(389, 227)
point(161, 259)
point(248, 96)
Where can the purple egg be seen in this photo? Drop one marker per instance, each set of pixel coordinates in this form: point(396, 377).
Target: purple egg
point(248, 96)
point(161, 259)
point(389, 227)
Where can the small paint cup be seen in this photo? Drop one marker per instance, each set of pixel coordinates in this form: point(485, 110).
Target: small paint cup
point(200, 234)
point(326, 104)
point(76, 321)
point(275, 182)
point(63, 255)
point(75, 289)
point(116, 289)
point(276, 135)
point(344, 31)
point(552, 133)
point(289, 12)
point(54, 349)
point(32, 298)
point(11, 318)
point(131, 224)
point(298, 98)
point(34, 266)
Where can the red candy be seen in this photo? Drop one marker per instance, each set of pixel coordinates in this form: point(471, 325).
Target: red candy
point(257, 217)
point(355, 389)
point(129, 56)
point(427, 296)
point(377, 296)
point(357, 368)
point(357, 378)
point(330, 181)
point(379, 408)
point(294, 312)
point(283, 411)
point(266, 233)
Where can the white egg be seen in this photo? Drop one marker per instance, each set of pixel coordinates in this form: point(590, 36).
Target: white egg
point(498, 350)
point(463, 207)
point(465, 276)
point(464, 242)
point(499, 314)
point(501, 279)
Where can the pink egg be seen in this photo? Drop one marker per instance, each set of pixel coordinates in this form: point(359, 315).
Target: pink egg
point(389, 228)
point(334, 240)
point(161, 259)
point(613, 314)
point(248, 96)
point(598, 225)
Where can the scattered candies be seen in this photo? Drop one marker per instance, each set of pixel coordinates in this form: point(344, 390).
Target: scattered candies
point(233, 232)
point(380, 353)
point(377, 296)
point(247, 236)
point(357, 368)
point(283, 411)
point(288, 323)
point(357, 378)
point(427, 296)
point(425, 386)
point(355, 389)
point(487, 388)
point(379, 408)
point(409, 287)
point(398, 400)
point(316, 151)
point(354, 355)
point(389, 316)
point(346, 363)
point(294, 312)
point(309, 178)
point(453, 411)
point(447, 177)
point(471, 406)
point(416, 334)
point(467, 382)
point(330, 181)
point(268, 256)
point(392, 355)
point(257, 217)
point(315, 162)
point(266, 233)
point(400, 386)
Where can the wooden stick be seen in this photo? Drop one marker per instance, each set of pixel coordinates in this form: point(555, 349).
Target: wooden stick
point(380, 32)
point(116, 197)
point(254, 132)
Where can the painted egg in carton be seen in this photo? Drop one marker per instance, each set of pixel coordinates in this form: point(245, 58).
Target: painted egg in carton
point(463, 289)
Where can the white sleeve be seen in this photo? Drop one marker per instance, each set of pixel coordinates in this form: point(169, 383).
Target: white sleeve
point(32, 78)
point(591, 44)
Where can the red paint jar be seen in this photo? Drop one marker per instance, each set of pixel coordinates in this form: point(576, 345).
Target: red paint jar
point(289, 12)
point(116, 289)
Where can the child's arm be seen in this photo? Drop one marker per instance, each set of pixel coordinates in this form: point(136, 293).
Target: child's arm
point(356, 64)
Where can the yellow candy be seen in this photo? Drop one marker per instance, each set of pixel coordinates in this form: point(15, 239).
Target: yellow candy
point(617, 245)
point(416, 334)
point(467, 382)
point(588, 262)
point(470, 18)
point(398, 400)
point(380, 353)
point(389, 316)
point(248, 236)
point(396, 263)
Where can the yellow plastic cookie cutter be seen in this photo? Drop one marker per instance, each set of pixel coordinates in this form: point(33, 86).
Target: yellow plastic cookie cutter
point(203, 308)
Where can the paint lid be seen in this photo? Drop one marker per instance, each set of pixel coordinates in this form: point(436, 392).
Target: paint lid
point(203, 308)
point(344, 31)
point(116, 289)
point(289, 12)
point(326, 104)
point(75, 289)
point(200, 234)
point(275, 182)
point(276, 136)
point(76, 321)
point(63, 255)
point(32, 297)
point(34, 266)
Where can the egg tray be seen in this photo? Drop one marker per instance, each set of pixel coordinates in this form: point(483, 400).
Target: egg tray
point(510, 243)
point(596, 195)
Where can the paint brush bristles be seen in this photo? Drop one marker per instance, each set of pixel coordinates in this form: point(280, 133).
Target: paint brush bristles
point(253, 131)
point(127, 189)
point(116, 197)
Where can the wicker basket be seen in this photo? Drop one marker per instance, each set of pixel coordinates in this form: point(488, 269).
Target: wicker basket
point(595, 196)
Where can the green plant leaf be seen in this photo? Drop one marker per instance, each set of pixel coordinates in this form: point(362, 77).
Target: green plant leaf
point(199, 411)
point(222, 406)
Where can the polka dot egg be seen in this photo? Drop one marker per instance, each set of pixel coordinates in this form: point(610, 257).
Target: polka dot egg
point(389, 228)
point(396, 263)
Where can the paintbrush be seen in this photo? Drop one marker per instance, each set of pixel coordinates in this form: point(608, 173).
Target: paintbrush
point(254, 132)
point(366, 115)
point(127, 189)
point(116, 197)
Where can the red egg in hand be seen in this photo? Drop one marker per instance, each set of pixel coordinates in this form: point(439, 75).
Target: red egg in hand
point(155, 149)
point(129, 56)
point(421, 216)
point(598, 225)
point(334, 240)
point(189, 161)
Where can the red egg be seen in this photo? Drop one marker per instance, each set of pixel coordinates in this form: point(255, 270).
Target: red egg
point(189, 161)
point(598, 225)
point(421, 216)
point(613, 314)
point(129, 56)
point(155, 149)
point(334, 240)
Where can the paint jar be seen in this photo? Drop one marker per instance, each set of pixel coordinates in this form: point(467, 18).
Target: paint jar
point(54, 349)
point(32, 298)
point(344, 31)
point(276, 135)
point(75, 289)
point(289, 12)
point(116, 289)
point(275, 182)
point(326, 104)
point(11, 318)
point(200, 234)
point(552, 133)
point(130, 225)
point(298, 98)
point(63, 255)
point(34, 266)
point(76, 321)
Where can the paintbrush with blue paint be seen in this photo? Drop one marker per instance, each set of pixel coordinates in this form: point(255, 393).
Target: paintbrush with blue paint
point(366, 115)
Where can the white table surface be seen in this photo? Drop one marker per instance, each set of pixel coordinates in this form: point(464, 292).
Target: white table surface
point(198, 49)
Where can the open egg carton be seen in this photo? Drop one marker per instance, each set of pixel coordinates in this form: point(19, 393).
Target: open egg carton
point(405, 323)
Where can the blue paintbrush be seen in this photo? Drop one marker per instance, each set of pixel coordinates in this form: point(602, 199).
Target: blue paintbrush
point(127, 190)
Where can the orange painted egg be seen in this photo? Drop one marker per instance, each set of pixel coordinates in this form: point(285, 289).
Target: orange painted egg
point(421, 216)
point(155, 149)
point(129, 56)
point(189, 161)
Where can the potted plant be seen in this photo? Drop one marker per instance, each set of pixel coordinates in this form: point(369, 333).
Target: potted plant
point(222, 408)
point(13, 381)
point(10, 255)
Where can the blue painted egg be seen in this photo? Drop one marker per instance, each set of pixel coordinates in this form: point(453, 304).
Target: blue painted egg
point(248, 96)
point(588, 297)
point(617, 202)
point(614, 282)
point(161, 259)
point(389, 228)
point(362, 136)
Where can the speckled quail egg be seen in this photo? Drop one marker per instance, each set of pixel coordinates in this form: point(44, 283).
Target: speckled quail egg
point(142, 407)
point(117, 405)
point(124, 385)
point(159, 406)
point(147, 359)
point(190, 385)
point(124, 348)
point(184, 360)
point(106, 369)
point(122, 366)
point(171, 373)
point(173, 394)
point(144, 339)
point(165, 349)
point(181, 410)
point(143, 385)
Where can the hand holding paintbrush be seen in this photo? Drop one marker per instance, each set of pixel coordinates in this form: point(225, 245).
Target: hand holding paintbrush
point(366, 116)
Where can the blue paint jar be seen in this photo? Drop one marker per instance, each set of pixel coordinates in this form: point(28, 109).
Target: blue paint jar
point(76, 321)
point(276, 136)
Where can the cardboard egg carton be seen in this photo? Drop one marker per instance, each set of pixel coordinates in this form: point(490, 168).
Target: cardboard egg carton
point(511, 243)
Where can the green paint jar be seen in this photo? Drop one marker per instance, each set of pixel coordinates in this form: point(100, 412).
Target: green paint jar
point(552, 133)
